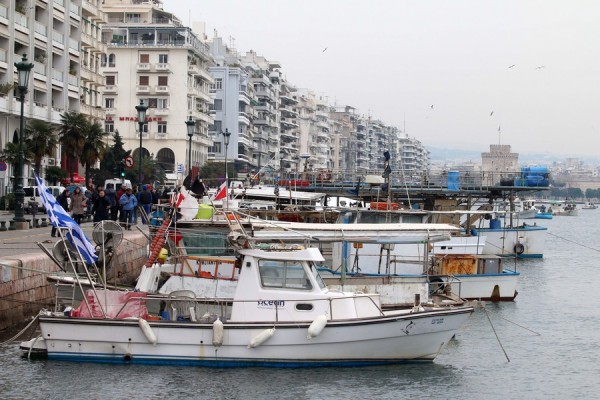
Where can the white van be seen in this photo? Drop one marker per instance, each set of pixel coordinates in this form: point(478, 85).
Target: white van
point(115, 184)
point(33, 196)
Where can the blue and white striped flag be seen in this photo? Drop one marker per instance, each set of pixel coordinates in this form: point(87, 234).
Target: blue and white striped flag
point(60, 218)
point(180, 168)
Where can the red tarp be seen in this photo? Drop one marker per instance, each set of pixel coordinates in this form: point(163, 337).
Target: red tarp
point(119, 305)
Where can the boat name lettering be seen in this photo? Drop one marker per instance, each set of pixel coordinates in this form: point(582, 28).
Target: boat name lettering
point(436, 321)
point(271, 303)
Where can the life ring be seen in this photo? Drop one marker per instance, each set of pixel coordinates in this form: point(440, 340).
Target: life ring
point(519, 248)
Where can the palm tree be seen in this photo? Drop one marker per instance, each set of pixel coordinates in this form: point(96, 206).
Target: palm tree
point(10, 154)
point(93, 146)
point(40, 140)
point(72, 137)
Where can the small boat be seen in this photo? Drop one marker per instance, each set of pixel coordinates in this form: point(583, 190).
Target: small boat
point(282, 315)
point(474, 277)
point(589, 206)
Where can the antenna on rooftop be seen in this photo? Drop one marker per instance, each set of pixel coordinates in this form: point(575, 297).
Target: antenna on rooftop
point(499, 133)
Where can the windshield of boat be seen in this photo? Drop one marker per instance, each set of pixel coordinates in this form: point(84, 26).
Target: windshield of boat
point(283, 274)
point(315, 273)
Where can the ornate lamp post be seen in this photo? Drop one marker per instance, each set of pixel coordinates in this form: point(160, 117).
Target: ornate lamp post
point(23, 70)
point(141, 110)
point(226, 137)
point(191, 124)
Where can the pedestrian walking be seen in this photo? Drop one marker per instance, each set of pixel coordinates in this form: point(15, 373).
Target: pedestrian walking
point(78, 204)
point(101, 207)
point(128, 203)
point(63, 200)
point(145, 200)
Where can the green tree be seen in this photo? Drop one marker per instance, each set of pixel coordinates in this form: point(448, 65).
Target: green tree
point(55, 174)
point(113, 156)
point(72, 137)
point(93, 147)
point(10, 154)
point(40, 140)
point(214, 172)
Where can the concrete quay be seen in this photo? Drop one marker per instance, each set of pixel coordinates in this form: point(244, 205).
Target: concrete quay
point(24, 267)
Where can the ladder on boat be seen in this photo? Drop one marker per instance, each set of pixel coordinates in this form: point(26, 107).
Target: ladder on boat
point(65, 296)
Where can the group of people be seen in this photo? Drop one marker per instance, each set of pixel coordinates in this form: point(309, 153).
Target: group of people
point(106, 204)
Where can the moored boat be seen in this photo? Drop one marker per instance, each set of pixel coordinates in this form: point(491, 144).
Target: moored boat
point(282, 314)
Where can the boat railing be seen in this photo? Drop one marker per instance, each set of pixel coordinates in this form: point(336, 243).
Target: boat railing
point(206, 267)
point(444, 283)
point(186, 307)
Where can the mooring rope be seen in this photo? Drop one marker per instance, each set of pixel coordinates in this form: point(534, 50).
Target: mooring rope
point(12, 339)
point(497, 338)
point(574, 242)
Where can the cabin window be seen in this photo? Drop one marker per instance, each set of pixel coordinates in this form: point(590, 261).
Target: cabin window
point(304, 307)
point(283, 274)
point(315, 273)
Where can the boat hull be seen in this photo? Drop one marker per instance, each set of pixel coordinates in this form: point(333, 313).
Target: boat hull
point(394, 338)
point(508, 241)
point(490, 287)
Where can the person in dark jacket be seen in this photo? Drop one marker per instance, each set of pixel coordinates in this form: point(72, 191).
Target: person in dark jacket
point(145, 200)
point(101, 207)
point(63, 200)
point(114, 205)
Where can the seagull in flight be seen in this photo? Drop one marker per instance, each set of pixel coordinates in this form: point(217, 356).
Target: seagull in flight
point(492, 113)
point(540, 67)
point(324, 50)
point(511, 66)
point(432, 106)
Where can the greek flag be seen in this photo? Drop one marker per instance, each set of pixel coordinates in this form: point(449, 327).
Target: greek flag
point(180, 168)
point(61, 219)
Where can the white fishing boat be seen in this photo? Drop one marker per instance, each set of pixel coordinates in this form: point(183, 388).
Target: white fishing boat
point(588, 205)
point(475, 277)
point(282, 314)
point(522, 241)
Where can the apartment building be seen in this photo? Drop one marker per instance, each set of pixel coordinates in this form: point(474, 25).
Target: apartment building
point(61, 39)
point(152, 58)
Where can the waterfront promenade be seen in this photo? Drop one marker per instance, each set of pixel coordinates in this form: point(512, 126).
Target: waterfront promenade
point(24, 267)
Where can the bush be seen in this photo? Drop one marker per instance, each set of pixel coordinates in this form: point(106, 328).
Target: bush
point(11, 202)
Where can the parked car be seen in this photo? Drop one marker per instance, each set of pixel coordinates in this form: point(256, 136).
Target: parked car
point(32, 197)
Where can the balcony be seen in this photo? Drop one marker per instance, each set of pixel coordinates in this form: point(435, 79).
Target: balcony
point(58, 40)
point(244, 97)
point(244, 118)
point(110, 88)
point(162, 89)
point(58, 78)
point(143, 66)
point(164, 67)
point(161, 111)
point(142, 89)
point(110, 111)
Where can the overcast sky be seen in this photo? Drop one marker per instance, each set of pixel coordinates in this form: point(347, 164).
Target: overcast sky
point(451, 72)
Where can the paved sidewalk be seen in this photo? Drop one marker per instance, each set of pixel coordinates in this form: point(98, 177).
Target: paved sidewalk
point(25, 241)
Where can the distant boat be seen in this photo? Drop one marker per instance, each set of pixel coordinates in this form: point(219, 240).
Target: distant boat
point(589, 206)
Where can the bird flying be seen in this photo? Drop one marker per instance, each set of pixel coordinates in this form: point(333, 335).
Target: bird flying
point(324, 50)
point(432, 106)
point(540, 67)
point(492, 113)
point(511, 66)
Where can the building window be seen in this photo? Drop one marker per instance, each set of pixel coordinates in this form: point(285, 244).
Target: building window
point(144, 80)
point(163, 58)
point(110, 80)
point(111, 60)
point(109, 103)
point(132, 17)
point(215, 148)
point(162, 103)
point(162, 127)
point(109, 126)
point(144, 127)
point(218, 84)
point(145, 58)
point(218, 106)
point(163, 81)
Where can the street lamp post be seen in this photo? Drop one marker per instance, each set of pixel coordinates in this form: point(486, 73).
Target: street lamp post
point(141, 110)
point(191, 124)
point(23, 70)
point(226, 137)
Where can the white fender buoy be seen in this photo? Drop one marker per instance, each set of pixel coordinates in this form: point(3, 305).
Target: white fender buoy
point(148, 332)
point(317, 326)
point(217, 333)
point(261, 338)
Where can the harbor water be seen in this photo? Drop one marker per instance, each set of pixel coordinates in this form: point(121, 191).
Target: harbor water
point(544, 345)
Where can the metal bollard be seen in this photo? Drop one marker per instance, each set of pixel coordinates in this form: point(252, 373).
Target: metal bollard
point(44, 223)
point(3, 226)
point(11, 225)
point(36, 223)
